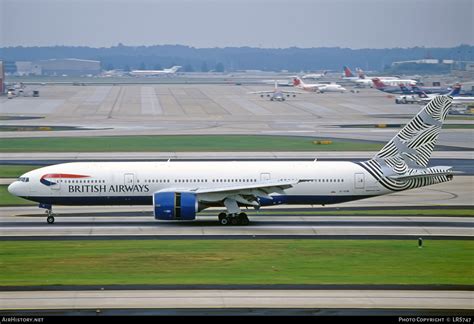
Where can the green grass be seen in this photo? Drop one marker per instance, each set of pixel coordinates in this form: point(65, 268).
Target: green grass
point(26, 263)
point(14, 171)
point(179, 143)
point(6, 199)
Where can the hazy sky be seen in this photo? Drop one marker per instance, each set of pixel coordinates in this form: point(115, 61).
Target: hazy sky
point(219, 23)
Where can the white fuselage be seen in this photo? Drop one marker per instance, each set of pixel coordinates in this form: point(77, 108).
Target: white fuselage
point(332, 88)
point(397, 82)
point(313, 76)
point(150, 73)
point(133, 183)
point(364, 83)
point(320, 87)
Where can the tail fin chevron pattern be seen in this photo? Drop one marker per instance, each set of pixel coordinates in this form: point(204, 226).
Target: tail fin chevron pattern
point(415, 142)
point(402, 162)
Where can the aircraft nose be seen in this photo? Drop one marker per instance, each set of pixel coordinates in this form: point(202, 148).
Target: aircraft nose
point(14, 189)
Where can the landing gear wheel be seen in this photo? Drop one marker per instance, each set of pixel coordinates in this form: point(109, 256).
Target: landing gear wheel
point(223, 220)
point(235, 221)
point(222, 215)
point(244, 220)
point(50, 219)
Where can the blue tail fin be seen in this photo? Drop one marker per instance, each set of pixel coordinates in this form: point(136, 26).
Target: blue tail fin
point(456, 90)
point(416, 89)
point(404, 89)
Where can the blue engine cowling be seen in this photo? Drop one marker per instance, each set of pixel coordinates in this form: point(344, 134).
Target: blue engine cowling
point(170, 205)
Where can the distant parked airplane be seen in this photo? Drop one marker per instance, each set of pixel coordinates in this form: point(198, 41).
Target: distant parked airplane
point(317, 87)
point(276, 94)
point(314, 76)
point(362, 80)
point(348, 75)
point(365, 81)
point(430, 90)
point(165, 72)
point(393, 86)
point(458, 99)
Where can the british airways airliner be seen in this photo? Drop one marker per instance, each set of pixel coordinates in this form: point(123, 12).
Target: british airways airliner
point(179, 190)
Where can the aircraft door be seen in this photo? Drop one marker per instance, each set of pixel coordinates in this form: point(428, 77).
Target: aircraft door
point(129, 179)
point(359, 181)
point(265, 176)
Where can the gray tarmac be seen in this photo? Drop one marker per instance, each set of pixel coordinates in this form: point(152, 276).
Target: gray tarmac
point(296, 228)
point(146, 109)
point(40, 157)
point(235, 299)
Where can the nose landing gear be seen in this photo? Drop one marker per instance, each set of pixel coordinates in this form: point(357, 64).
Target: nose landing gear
point(50, 217)
point(48, 212)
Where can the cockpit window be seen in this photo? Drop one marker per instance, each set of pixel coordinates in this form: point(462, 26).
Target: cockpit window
point(24, 179)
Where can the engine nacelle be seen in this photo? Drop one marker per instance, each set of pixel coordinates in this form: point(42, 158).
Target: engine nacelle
point(170, 205)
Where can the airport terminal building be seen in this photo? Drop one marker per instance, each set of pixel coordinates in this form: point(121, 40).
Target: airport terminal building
point(69, 66)
point(55, 67)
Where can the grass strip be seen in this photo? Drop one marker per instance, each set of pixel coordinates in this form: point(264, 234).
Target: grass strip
point(180, 143)
point(14, 171)
point(6, 199)
point(111, 262)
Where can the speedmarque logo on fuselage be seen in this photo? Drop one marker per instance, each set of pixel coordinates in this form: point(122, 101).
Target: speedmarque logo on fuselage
point(46, 182)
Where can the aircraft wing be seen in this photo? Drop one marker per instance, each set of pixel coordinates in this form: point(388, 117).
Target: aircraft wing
point(292, 92)
point(245, 193)
point(261, 92)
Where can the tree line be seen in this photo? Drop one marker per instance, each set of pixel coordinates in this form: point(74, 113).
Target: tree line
point(293, 59)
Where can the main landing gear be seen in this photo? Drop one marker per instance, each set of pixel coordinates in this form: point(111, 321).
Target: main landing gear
point(233, 219)
point(233, 216)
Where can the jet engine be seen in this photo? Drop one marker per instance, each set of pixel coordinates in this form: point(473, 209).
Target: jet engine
point(170, 205)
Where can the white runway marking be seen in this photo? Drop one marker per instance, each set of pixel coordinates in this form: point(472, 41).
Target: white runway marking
point(150, 105)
